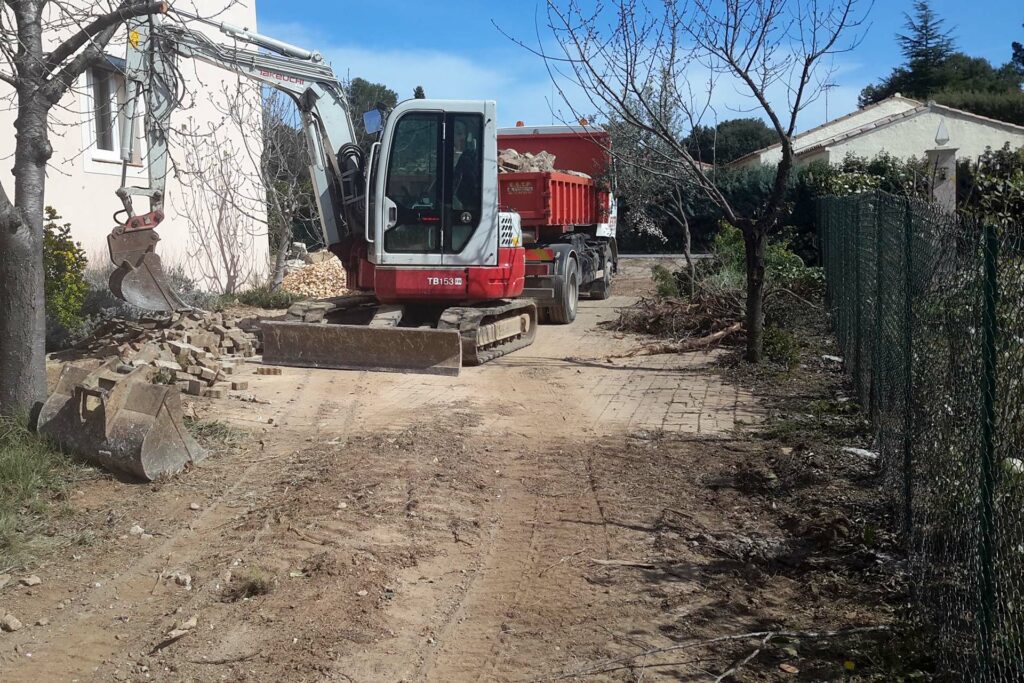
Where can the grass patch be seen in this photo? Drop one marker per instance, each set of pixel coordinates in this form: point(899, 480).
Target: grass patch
point(267, 297)
point(214, 433)
point(248, 583)
point(30, 468)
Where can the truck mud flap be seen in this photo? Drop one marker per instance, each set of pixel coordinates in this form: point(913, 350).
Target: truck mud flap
point(358, 347)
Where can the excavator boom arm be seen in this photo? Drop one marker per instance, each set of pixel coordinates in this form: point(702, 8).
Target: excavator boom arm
point(151, 74)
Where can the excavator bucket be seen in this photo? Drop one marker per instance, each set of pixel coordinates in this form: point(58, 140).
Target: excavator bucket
point(139, 277)
point(360, 347)
point(119, 421)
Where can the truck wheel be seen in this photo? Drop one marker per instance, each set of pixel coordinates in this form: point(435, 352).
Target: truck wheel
point(565, 312)
point(602, 289)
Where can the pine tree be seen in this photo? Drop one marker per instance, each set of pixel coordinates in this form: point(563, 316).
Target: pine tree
point(418, 93)
point(926, 47)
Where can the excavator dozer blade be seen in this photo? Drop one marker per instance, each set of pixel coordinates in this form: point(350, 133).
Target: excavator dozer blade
point(139, 277)
point(359, 347)
point(120, 422)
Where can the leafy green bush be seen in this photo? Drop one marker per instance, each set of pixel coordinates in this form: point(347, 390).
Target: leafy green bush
point(64, 266)
point(783, 268)
point(780, 346)
point(992, 189)
point(266, 296)
point(1005, 106)
point(666, 282)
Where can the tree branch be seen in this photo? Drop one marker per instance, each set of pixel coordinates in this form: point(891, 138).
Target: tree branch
point(8, 213)
point(129, 9)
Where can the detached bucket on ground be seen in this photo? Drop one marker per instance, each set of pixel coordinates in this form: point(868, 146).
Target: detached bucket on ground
point(120, 422)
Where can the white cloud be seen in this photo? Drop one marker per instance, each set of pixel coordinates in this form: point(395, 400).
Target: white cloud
point(522, 89)
point(520, 84)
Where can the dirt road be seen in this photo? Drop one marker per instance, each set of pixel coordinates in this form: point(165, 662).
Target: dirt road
point(533, 517)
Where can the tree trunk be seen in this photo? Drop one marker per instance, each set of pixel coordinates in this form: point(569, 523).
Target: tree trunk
point(22, 301)
point(687, 252)
point(281, 252)
point(755, 239)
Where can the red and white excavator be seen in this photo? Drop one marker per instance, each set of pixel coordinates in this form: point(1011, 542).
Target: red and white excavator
point(417, 223)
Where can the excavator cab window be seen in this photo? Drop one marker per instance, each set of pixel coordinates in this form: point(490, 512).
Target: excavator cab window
point(435, 179)
point(414, 184)
point(466, 188)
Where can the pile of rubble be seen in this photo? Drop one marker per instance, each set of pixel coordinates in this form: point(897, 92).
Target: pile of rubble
point(197, 351)
point(322, 279)
point(511, 161)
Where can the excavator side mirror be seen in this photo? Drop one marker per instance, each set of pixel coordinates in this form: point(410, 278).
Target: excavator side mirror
point(373, 121)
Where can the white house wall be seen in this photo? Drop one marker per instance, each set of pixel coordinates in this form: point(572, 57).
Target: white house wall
point(841, 126)
point(80, 186)
point(912, 136)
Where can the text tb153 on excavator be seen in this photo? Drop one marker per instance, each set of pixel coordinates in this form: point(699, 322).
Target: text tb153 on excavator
point(416, 223)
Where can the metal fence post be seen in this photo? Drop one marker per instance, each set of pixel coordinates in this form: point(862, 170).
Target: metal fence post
point(876, 363)
point(908, 359)
point(989, 331)
point(858, 294)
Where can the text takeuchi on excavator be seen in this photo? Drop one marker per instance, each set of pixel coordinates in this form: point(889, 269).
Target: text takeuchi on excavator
point(444, 274)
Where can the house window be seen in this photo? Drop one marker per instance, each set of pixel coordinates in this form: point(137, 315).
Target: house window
point(104, 115)
point(104, 109)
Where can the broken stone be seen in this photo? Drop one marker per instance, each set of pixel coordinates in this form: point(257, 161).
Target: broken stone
point(193, 506)
point(31, 580)
point(860, 453)
point(4, 580)
point(43, 622)
point(188, 624)
point(10, 623)
point(136, 530)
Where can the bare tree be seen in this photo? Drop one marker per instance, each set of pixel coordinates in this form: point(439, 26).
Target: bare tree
point(45, 46)
point(650, 188)
point(270, 186)
point(657, 66)
point(217, 205)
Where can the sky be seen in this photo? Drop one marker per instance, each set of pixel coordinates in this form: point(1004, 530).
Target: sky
point(455, 50)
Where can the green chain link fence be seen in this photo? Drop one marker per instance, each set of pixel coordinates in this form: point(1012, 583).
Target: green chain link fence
point(929, 313)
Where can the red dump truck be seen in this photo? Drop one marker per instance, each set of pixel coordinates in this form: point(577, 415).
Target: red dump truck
point(568, 219)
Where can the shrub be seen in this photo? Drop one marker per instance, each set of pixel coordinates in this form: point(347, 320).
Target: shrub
point(780, 346)
point(666, 282)
point(64, 265)
point(783, 268)
point(266, 296)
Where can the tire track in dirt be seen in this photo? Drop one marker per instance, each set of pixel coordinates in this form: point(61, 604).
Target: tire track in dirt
point(85, 640)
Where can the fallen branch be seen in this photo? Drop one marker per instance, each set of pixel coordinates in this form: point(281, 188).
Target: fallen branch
point(624, 563)
point(693, 344)
point(309, 539)
point(567, 557)
point(796, 296)
point(611, 665)
point(224, 660)
point(732, 670)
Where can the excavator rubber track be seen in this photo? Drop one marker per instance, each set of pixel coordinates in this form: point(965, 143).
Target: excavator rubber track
point(489, 332)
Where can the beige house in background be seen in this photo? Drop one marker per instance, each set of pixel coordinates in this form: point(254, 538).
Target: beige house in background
point(199, 228)
point(898, 125)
